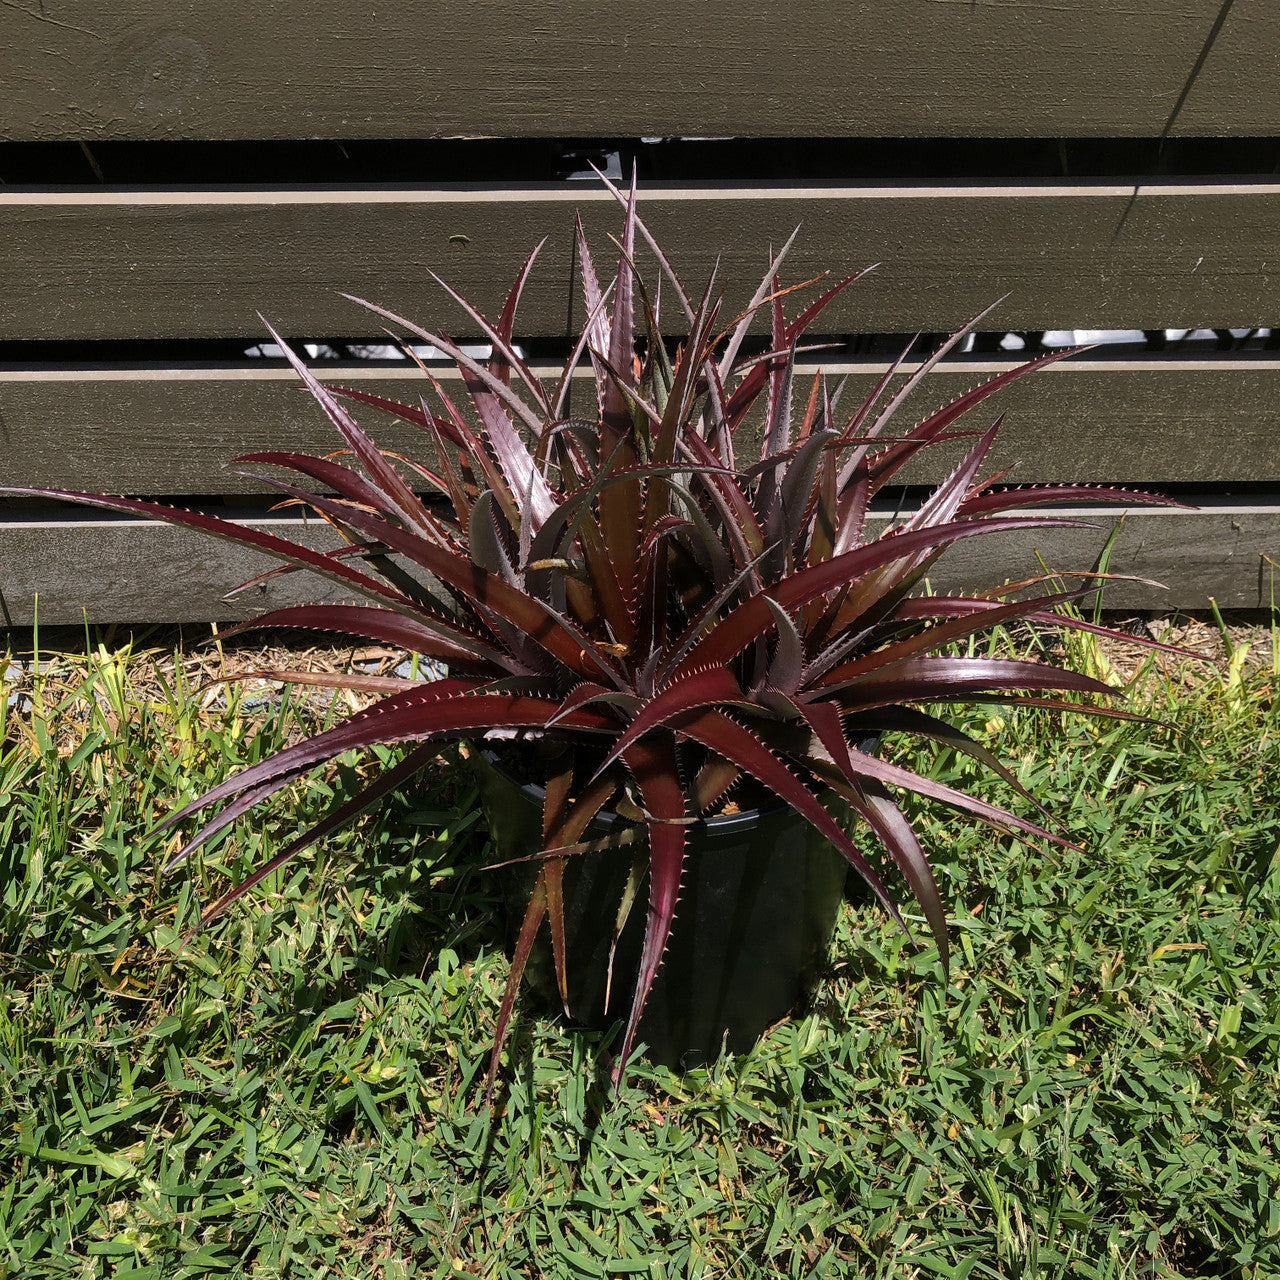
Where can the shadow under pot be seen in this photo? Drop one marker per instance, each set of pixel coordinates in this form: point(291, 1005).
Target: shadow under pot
point(758, 903)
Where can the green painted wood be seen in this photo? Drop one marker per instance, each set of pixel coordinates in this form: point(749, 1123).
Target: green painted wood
point(514, 68)
point(138, 571)
point(96, 264)
point(1151, 422)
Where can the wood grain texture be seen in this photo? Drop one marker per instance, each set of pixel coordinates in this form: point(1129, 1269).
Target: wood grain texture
point(138, 571)
point(1147, 422)
point(515, 68)
point(77, 564)
point(100, 264)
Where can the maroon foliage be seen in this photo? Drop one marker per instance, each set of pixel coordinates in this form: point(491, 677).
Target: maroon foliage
point(620, 580)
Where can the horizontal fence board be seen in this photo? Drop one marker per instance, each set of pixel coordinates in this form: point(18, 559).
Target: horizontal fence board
point(138, 571)
point(1206, 421)
point(67, 568)
point(135, 69)
point(90, 263)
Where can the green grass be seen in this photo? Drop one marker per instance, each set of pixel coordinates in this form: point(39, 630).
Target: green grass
point(297, 1091)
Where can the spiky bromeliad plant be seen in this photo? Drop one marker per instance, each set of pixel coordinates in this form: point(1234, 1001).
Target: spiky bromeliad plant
point(620, 580)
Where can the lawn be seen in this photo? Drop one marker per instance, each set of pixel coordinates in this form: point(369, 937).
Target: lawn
point(297, 1091)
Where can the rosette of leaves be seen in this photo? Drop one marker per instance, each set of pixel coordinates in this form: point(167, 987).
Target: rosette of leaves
point(620, 579)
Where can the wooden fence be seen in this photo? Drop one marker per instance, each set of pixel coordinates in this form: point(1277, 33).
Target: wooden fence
point(168, 171)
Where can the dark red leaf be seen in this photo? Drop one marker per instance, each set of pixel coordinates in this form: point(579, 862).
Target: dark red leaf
point(754, 618)
point(713, 686)
point(373, 623)
point(869, 766)
point(337, 817)
point(729, 740)
point(935, 637)
point(910, 720)
point(653, 764)
point(396, 493)
point(921, 679)
point(1037, 495)
point(534, 912)
point(888, 822)
point(292, 552)
point(342, 479)
point(485, 591)
point(434, 710)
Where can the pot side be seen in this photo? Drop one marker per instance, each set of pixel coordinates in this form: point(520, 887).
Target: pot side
point(758, 904)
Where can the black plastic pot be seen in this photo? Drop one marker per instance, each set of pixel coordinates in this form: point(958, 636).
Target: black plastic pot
point(758, 904)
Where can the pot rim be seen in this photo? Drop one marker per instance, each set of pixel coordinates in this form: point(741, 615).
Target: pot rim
point(720, 822)
point(726, 823)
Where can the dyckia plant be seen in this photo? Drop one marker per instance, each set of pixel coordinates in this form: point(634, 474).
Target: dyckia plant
point(618, 578)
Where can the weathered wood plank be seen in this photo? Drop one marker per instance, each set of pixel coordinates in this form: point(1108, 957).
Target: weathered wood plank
point(1152, 422)
point(137, 571)
point(509, 68)
point(99, 263)
point(63, 569)
point(1136, 422)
